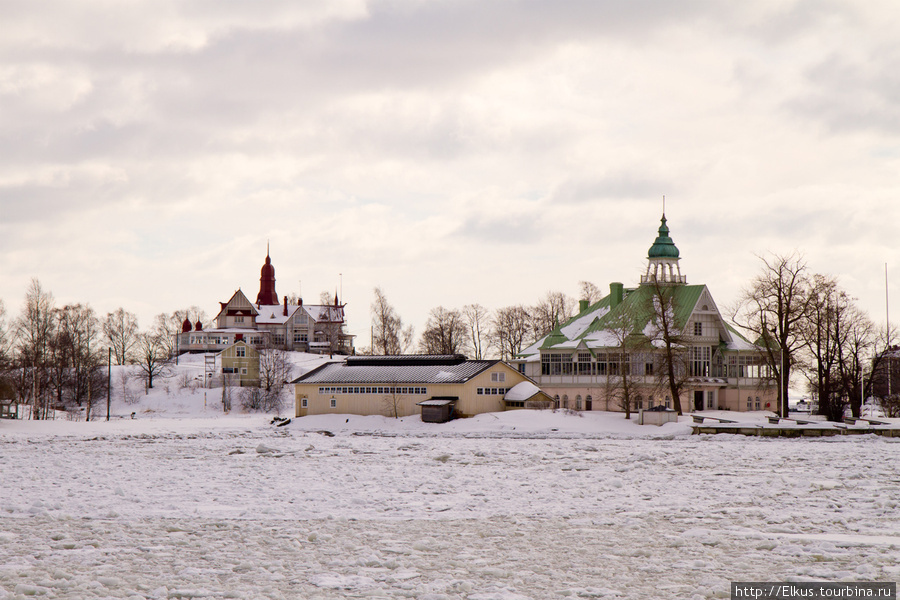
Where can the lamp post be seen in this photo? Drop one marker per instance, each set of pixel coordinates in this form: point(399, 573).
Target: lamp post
point(781, 402)
point(108, 380)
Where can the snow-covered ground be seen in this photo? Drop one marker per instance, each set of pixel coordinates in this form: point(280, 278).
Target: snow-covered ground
point(186, 502)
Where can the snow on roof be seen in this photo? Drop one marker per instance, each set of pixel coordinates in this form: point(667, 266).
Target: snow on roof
point(434, 402)
point(576, 327)
point(738, 341)
point(220, 331)
point(324, 312)
point(533, 350)
point(602, 339)
point(522, 391)
point(399, 371)
point(273, 314)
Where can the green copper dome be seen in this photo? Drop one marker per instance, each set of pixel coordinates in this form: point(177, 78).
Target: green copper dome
point(663, 246)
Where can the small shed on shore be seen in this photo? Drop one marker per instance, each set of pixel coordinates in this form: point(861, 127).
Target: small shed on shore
point(437, 410)
point(8, 409)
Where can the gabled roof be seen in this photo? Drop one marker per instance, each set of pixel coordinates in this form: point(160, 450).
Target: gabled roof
point(238, 301)
point(638, 305)
point(594, 327)
point(524, 391)
point(399, 369)
point(739, 341)
point(273, 314)
point(321, 313)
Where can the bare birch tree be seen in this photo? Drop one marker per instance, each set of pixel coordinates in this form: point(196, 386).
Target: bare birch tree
point(477, 320)
point(389, 336)
point(34, 330)
point(121, 329)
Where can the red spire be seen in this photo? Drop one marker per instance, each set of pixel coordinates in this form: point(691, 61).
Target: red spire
point(267, 295)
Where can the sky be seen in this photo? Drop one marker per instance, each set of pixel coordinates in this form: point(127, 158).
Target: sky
point(449, 152)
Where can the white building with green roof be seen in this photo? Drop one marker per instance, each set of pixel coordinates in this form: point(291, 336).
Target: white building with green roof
point(615, 350)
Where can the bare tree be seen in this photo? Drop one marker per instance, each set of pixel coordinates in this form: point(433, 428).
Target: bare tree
point(445, 332)
point(6, 345)
point(860, 339)
point(34, 330)
point(121, 329)
point(477, 320)
point(512, 330)
point(664, 334)
point(275, 372)
point(822, 330)
point(547, 314)
point(6, 339)
point(392, 403)
point(626, 360)
point(76, 357)
point(590, 292)
point(389, 336)
point(839, 338)
point(775, 307)
point(129, 394)
point(167, 326)
point(152, 356)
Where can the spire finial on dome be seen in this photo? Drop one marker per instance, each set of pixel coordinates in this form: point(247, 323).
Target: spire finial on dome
point(663, 257)
point(267, 295)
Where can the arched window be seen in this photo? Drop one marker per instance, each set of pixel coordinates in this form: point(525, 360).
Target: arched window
point(556, 401)
point(639, 402)
point(578, 402)
point(565, 401)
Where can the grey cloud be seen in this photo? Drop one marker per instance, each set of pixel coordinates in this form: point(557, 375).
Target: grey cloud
point(614, 186)
point(853, 96)
point(511, 230)
point(785, 21)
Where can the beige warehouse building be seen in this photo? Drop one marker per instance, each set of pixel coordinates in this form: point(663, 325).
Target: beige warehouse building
point(395, 386)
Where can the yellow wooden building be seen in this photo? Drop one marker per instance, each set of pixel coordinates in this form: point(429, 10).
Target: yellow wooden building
point(395, 386)
point(240, 364)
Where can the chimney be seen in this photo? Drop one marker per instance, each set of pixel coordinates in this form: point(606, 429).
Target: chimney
point(582, 306)
point(616, 293)
point(285, 306)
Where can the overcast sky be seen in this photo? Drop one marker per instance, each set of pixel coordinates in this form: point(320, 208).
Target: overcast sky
point(448, 151)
